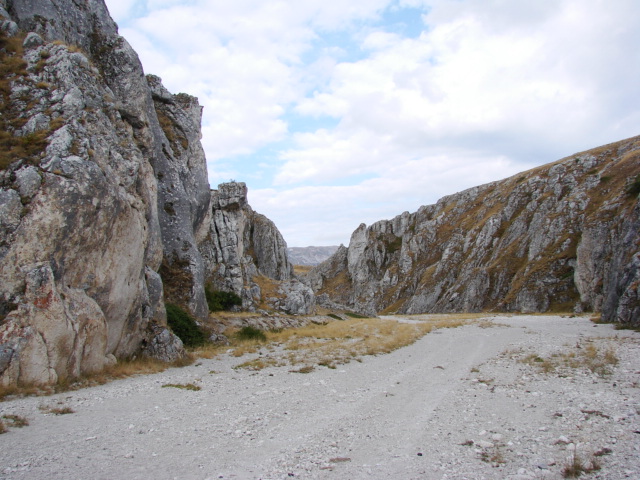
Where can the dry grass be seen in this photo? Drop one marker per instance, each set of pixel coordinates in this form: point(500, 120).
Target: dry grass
point(122, 369)
point(339, 342)
point(493, 456)
point(137, 366)
point(302, 269)
point(259, 363)
point(576, 466)
point(16, 421)
point(589, 356)
point(182, 386)
point(209, 350)
point(56, 410)
point(269, 288)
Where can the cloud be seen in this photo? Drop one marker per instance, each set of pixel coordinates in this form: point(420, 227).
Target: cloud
point(326, 215)
point(334, 117)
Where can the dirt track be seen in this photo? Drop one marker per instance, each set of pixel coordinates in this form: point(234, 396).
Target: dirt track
point(458, 404)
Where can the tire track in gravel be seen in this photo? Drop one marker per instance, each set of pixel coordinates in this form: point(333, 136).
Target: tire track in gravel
point(392, 398)
point(361, 420)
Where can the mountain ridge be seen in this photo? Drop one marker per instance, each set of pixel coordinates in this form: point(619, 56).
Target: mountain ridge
point(311, 255)
point(563, 236)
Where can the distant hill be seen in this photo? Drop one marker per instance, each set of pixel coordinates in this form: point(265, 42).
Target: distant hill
point(309, 255)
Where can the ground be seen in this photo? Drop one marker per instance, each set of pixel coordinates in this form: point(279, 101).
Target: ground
point(514, 398)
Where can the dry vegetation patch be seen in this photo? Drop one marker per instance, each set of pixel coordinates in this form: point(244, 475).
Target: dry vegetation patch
point(340, 341)
point(596, 358)
point(123, 369)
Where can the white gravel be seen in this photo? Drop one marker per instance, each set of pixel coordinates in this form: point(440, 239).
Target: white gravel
point(458, 404)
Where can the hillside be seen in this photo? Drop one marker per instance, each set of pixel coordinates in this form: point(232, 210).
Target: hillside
point(309, 255)
point(561, 237)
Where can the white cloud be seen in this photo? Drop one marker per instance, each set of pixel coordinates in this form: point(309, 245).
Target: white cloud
point(472, 75)
point(326, 215)
point(489, 88)
point(120, 9)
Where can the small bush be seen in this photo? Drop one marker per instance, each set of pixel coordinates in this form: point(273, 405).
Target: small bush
point(334, 316)
point(219, 300)
point(251, 333)
point(184, 326)
point(634, 188)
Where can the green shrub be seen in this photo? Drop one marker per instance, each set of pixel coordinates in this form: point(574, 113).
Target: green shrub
point(184, 326)
point(251, 333)
point(219, 300)
point(634, 188)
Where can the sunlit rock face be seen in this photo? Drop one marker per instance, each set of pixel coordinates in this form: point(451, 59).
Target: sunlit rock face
point(562, 237)
point(105, 205)
point(110, 202)
point(244, 247)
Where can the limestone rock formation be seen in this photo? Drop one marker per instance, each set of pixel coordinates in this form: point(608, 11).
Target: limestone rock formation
point(243, 247)
point(81, 235)
point(105, 206)
point(563, 237)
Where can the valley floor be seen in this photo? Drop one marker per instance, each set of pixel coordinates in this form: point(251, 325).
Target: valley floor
point(511, 401)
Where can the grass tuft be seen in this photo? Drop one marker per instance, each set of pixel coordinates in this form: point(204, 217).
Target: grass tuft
point(182, 386)
point(599, 361)
point(16, 421)
point(57, 410)
point(576, 466)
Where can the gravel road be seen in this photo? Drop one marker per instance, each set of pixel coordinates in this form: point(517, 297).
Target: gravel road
point(458, 404)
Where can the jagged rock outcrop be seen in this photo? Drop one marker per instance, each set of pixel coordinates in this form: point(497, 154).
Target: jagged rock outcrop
point(105, 205)
point(243, 246)
point(565, 236)
point(91, 149)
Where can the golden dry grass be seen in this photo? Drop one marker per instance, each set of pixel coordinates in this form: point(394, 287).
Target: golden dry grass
point(301, 269)
point(122, 369)
point(598, 359)
point(339, 342)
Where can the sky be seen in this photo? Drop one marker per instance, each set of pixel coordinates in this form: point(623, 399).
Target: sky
point(336, 113)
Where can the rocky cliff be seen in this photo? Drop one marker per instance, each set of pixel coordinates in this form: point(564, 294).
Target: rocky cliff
point(562, 237)
point(246, 254)
point(105, 207)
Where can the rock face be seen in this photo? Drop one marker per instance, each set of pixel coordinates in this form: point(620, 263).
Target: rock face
point(87, 236)
point(310, 256)
point(104, 200)
point(565, 236)
point(243, 247)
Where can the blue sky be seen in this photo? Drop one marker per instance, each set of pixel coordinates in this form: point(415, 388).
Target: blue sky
point(336, 113)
